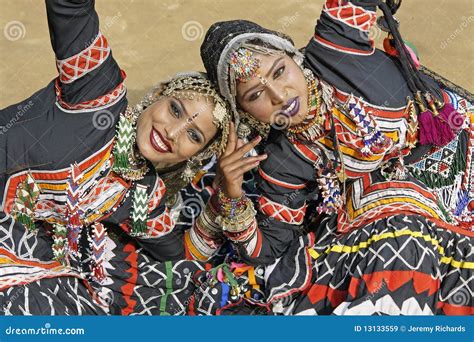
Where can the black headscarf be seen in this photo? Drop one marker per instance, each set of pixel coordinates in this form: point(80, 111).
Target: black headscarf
point(225, 37)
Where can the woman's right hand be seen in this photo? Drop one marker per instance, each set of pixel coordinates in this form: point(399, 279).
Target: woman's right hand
point(233, 164)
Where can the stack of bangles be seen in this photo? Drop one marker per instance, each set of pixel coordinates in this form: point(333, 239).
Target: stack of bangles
point(237, 217)
point(206, 225)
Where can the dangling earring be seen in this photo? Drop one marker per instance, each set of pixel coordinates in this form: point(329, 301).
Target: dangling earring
point(192, 166)
point(243, 131)
point(247, 121)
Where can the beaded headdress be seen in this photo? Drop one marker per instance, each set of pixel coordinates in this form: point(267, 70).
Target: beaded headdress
point(244, 64)
point(228, 53)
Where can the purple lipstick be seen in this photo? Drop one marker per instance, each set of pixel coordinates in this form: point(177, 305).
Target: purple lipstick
point(292, 107)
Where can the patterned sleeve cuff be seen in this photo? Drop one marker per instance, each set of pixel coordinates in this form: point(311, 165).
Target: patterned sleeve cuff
point(73, 68)
point(361, 18)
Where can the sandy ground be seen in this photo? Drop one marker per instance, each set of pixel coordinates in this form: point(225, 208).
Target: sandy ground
point(152, 39)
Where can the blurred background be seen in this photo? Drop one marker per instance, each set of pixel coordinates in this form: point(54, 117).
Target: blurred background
point(153, 39)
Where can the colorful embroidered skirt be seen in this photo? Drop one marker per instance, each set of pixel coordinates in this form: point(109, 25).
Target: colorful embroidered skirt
point(398, 265)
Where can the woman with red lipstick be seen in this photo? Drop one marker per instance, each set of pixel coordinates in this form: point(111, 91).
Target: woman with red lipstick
point(89, 184)
point(366, 145)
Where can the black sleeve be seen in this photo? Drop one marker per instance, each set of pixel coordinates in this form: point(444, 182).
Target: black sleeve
point(166, 248)
point(346, 25)
point(84, 60)
point(342, 52)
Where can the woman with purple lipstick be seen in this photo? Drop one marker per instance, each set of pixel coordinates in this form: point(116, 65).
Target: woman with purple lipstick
point(88, 184)
point(377, 155)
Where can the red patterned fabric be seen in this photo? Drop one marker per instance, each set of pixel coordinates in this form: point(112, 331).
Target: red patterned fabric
point(157, 195)
point(350, 15)
point(344, 49)
point(281, 212)
point(104, 100)
point(74, 67)
point(161, 224)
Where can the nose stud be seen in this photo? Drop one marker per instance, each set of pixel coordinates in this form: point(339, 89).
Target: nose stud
point(263, 80)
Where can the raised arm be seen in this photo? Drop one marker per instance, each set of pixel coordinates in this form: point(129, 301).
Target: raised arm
point(89, 77)
point(342, 53)
point(345, 27)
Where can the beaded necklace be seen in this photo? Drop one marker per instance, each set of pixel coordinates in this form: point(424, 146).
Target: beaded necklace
point(127, 164)
point(130, 165)
point(310, 130)
point(312, 127)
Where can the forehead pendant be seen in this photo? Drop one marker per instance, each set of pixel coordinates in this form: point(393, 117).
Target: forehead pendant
point(244, 64)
